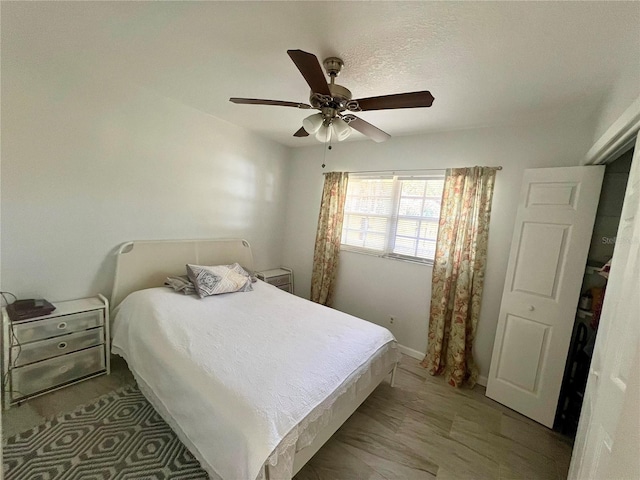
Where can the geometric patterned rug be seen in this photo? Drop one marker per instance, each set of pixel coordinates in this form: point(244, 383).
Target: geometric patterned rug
point(118, 437)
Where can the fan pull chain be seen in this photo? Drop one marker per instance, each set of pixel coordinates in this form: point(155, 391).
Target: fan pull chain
point(324, 158)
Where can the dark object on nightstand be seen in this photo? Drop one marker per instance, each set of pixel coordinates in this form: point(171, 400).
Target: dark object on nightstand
point(31, 308)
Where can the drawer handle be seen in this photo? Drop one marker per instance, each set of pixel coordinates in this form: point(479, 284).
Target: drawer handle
point(62, 345)
point(62, 325)
point(64, 369)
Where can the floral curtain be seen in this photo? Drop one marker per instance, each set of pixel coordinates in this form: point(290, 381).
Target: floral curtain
point(327, 249)
point(458, 273)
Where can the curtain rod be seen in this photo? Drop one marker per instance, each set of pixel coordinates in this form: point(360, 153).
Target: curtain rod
point(406, 170)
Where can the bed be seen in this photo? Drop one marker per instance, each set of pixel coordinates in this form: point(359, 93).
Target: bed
point(253, 383)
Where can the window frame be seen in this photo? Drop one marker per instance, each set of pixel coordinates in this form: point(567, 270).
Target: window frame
point(391, 232)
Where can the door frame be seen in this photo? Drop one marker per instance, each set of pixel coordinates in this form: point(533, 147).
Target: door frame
point(618, 138)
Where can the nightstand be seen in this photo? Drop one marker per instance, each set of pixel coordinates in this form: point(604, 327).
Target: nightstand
point(46, 353)
point(280, 277)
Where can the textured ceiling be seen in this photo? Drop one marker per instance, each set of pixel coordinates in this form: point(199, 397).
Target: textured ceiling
point(485, 63)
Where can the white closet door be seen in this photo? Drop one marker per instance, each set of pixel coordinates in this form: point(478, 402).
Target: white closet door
point(548, 255)
point(608, 440)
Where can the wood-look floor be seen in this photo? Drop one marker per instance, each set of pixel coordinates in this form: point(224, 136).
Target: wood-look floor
point(420, 429)
point(425, 429)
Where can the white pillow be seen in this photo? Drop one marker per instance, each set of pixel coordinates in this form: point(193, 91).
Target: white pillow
point(216, 280)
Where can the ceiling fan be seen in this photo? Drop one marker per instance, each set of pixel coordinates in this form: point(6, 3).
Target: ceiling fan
point(335, 102)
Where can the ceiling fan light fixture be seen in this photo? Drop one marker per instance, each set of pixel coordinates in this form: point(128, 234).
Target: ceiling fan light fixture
point(313, 123)
point(341, 129)
point(324, 133)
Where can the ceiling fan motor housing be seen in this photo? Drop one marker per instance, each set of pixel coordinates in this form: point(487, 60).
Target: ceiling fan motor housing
point(338, 100)
point(340, 96)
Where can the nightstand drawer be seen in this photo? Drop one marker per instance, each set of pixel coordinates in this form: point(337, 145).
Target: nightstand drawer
point(279, 280)
point(53, 327)
point(56, 371)
point(286, 288)
point(53, 347)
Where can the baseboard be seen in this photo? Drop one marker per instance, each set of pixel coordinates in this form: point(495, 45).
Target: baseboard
point(482, 380)
point(411, 352)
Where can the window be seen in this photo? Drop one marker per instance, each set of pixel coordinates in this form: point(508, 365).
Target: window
point(394, 216)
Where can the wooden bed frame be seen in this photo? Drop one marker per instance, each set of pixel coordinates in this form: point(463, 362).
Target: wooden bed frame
point(146, 264)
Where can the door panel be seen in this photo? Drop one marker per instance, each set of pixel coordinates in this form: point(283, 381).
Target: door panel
point(541, 253)
point(548, 255)
point(544, 194)
point(522, 352)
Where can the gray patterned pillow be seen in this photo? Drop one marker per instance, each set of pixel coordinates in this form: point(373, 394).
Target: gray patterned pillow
point(180, 283)
point(216, 280)
point(238, 269)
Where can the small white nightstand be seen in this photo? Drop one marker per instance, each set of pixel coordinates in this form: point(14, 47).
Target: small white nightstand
point(280, 277)
point(50, 352)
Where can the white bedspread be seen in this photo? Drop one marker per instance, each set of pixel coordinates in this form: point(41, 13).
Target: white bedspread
point(239, 372)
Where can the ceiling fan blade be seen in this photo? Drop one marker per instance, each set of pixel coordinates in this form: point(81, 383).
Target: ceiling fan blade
point(311, 70)
point(301, 133)
point(400, 100)
point(374, 133)
point(257, 101)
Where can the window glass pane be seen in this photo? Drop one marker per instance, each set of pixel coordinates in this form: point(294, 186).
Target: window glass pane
point(431, 209)
point(410, 206)
point(368, 204)
point(353, 237)
point(369, 196)
point(352, 221)
point(380, 205)
point(375, 224)
point(405, 246)
point(375, 241)
point(365, 224)
point(413, 188)
point(407, 228)
point(364, 231)
point(426, 249)
point(429, 230)
point(434, 188)
point(349, 204)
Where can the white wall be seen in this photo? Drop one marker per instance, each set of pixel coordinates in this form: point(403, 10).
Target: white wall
point(619, 97)
point(373, 288)
point(89, 162)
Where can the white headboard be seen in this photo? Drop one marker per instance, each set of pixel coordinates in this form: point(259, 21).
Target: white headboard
point(146, 264)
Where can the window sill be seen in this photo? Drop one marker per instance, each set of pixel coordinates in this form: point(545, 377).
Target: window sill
point(427, 263)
